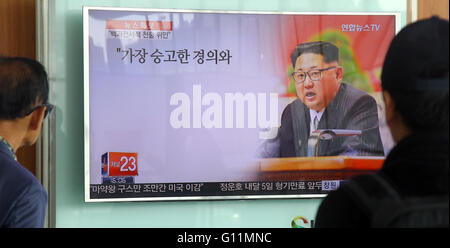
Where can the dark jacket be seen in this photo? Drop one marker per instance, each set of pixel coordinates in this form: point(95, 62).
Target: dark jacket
point(23, 200)
point(417, 166)
point(350, 109)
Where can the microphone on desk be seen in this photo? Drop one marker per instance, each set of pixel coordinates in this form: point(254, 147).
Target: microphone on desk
point(326, 134)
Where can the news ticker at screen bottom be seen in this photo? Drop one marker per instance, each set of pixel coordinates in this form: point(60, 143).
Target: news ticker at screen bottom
point(199, 189)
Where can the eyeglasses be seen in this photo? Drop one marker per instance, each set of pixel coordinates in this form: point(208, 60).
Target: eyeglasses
point(314, 75)
point(48, 109)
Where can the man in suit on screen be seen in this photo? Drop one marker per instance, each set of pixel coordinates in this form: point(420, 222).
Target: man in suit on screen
point(325, 102)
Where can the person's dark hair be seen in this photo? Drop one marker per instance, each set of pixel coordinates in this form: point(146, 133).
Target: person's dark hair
point(416, 74)
point(329, 51)
point(23, 85)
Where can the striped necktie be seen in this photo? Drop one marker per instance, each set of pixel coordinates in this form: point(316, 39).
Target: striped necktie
point(316, 123)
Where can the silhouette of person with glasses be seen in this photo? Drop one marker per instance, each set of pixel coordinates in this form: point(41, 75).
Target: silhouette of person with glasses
point(326, 102)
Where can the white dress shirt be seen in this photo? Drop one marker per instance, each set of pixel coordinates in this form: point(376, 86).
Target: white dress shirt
point(313, 114)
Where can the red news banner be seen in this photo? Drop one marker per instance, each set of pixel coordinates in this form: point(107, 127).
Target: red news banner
point(132, 29)
point(138, 25)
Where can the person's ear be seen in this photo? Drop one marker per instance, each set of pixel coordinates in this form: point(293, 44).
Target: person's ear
point(339, 74)
point(389, 107)
point(33, 128)
point(36, 119)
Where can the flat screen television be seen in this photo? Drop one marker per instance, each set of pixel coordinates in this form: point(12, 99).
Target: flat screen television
point(188, 104)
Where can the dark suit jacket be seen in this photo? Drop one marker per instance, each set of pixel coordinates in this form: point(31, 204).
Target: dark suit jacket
point(350, 109)
point(23, 200)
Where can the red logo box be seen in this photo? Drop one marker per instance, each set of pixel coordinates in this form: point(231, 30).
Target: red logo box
point(119, 164)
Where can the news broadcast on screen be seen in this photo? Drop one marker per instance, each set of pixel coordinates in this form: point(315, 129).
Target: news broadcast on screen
point(206, 105)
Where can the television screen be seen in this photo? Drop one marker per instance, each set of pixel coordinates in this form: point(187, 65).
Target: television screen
point(198, 105)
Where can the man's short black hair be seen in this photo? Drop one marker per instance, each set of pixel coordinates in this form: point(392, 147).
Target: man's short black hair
point(23, 85)
point(329, 51)
point(416, 74)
